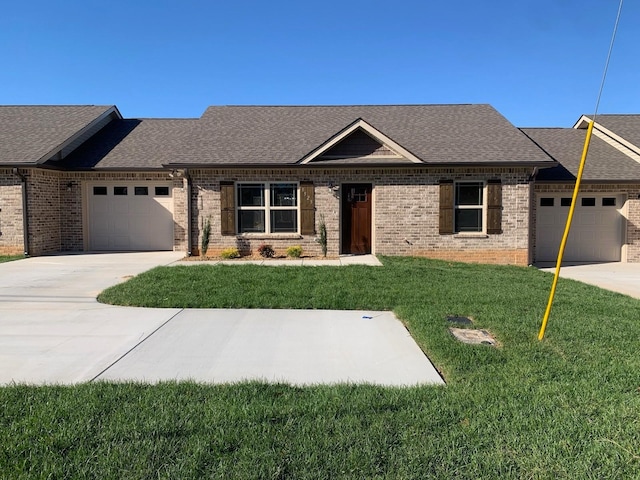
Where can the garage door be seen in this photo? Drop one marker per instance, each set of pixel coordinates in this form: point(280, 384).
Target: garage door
point(596, 230)
point(130, 216)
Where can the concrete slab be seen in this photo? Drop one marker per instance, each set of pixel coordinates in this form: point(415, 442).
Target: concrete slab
point(617, 276)
point(299, 347)
point(71, 347)
point(52, 330)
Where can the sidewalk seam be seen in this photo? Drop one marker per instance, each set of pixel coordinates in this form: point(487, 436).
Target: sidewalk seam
point(136, 345)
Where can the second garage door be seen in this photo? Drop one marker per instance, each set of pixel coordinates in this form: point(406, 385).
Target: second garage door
point(130, 216)
point(596, 231)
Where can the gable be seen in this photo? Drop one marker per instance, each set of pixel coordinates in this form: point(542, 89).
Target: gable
point(360, 142)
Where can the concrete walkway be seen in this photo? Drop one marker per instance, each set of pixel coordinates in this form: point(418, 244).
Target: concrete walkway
point(617, 276)
point(52, 330)
point(370, 260)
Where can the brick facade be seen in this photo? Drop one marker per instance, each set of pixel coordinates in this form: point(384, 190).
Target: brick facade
point(631, 211)
point(405, 212)
point(11, 229)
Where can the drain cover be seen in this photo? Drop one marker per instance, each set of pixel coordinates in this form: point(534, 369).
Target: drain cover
point(468, 335)
point(459, 320)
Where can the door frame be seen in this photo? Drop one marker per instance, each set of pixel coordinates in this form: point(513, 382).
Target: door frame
point(343, 218)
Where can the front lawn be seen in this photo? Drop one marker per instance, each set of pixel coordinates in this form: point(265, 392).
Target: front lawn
point(10, 258)
point(567, 407)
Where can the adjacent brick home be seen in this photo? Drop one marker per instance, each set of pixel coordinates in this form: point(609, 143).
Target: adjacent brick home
point(454, 182)
point(606, 223)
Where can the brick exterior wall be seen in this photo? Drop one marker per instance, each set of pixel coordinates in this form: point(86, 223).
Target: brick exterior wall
point(405, 212)
point(57, 209)
point(44, 208)
point(11, 229)
point(631, 210)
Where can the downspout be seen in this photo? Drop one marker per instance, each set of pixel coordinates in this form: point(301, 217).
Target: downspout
point(25, 216)
point(533, 227)
point(189, 234)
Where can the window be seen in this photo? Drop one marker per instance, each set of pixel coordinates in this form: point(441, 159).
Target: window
point(546, 202)
point(141, 190)
point(589, 202)
point(120, 190)
point(99, 190)
point(565, 202)
point(609, 202)
point(162, 191)
point(469, 202)
point(267, 207)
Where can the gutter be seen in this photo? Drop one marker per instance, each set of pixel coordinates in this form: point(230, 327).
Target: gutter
point(25, 214)
point(189, 234)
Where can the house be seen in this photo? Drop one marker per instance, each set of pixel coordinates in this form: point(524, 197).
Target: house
point(606, 222)
point(456, 182)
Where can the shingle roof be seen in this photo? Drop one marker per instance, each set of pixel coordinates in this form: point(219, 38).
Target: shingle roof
point(29, 134)
point(134, 144)
point(437, 134)
point(604, 162)
point(625, 126)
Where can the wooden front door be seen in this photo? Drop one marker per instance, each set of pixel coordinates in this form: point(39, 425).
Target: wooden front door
point(356, 218)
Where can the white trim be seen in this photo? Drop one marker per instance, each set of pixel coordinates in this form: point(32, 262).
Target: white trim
point(611, 138)
point(373, 132)
point(267, 208)
point(471, 207)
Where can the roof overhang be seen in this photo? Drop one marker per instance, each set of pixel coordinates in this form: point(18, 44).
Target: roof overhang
point(112, 111)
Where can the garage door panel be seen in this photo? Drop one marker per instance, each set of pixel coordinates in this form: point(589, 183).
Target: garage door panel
point(596, 232)
point(129, 221)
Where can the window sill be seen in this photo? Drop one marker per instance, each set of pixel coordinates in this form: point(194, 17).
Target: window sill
point(269, 236)
point(470, 235)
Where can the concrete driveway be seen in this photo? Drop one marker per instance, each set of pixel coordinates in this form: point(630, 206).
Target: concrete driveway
point(618, 277)
point(52, 330)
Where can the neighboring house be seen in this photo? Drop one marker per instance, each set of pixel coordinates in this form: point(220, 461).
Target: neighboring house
point(606, 222)
point(453, 182)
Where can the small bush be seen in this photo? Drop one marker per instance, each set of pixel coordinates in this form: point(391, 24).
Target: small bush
point(266, 251)
point(231, 252)
point(322, 239)
point(295, 251)
point(206, 235)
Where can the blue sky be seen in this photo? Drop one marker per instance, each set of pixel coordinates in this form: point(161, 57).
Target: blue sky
point(539, 63)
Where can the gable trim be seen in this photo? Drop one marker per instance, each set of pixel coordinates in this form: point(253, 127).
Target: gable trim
point(372, 131)
point(610, 137)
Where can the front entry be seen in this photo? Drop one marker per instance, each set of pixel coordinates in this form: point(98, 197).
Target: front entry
point(356, 218)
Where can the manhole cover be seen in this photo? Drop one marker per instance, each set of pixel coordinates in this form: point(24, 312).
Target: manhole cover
point(468, 335)
point(459, 320)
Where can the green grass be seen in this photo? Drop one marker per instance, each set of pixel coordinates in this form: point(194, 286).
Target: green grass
point(567, 407)
point(10, 258)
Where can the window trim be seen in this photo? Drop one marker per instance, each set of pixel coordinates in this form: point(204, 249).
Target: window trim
point(483, 207)
point(267, 208)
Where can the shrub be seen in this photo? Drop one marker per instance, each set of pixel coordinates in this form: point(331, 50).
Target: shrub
point(266, 251)
point(231, 252)
point(322, 238)
point(206, 234)
point(295, 251)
